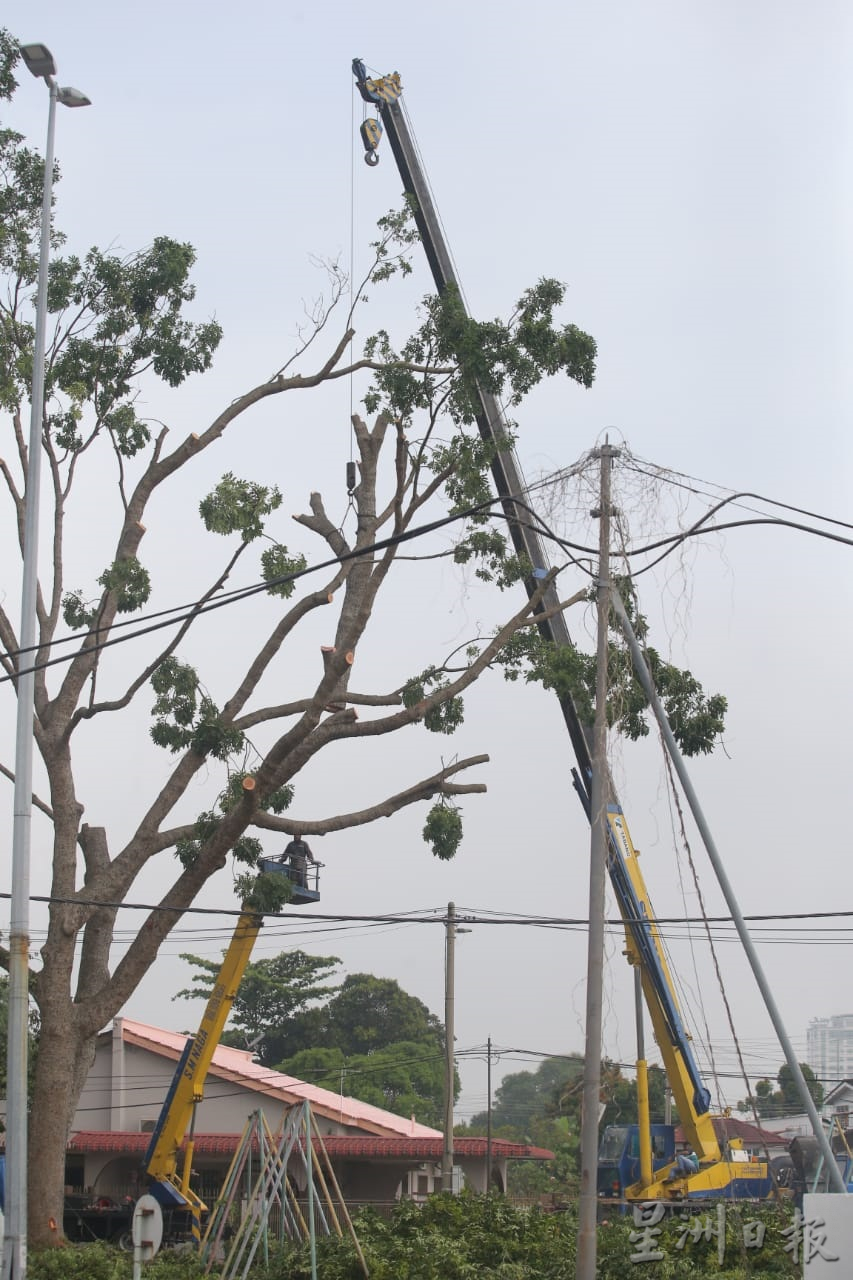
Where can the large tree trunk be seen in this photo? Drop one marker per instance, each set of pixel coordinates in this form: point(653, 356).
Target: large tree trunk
point(63, 1063)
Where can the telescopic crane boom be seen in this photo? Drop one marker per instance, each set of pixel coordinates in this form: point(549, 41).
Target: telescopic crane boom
point(169, 1172)
point(716, 1176)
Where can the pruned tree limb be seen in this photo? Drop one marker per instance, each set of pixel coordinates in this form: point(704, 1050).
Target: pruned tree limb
point(438, 784)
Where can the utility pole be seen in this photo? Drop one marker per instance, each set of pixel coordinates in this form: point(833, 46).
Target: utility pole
point(587, 1209)
point(449, 1061)
point(489, 1117)
point(837, 1182)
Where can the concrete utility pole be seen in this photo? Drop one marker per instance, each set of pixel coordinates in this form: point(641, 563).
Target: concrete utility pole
point(449, 1060)
point(836, 1180)
point(489, 1117)
point(587, 1209)
point(39, 60)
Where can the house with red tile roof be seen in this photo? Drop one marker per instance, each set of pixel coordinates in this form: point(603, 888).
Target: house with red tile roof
point(377, 1155)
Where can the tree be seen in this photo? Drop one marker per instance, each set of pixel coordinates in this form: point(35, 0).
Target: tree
point(523, 1097)
point(368, 1013)
point(273, 993)
point(377, 1043)
point(367, 1037)
point(786, 1100)
point(118, 327)
point(405, 1077)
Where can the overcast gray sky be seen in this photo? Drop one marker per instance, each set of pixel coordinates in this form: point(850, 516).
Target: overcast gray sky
point(686, 170)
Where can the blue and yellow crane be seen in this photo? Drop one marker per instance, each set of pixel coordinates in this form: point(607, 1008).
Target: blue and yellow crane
point(169, 1159)
point(651, 1170)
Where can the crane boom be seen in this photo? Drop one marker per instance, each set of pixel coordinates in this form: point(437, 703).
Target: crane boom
point(644, 948)
point(491, 422)
point(170, 1185)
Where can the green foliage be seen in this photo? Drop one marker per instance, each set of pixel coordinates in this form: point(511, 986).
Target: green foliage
point(186, 718)
point(277, 801)
point(79, 614)
point(176, 685)
point(129, 433)
point(188, 849)
point(445, 717)
point(265, 892)
point(238, 506)
point(470, 1237)
point(397, 235)
point(133, 309)
point(505, 359)
point(126, 578)
point(368, 1013)
point(443, 830)
point(406, 1077)
point(523, 1097)
point(543, 1107)
point(697, 719)
point(272, 994)
point(119, 317)
point(785, 1100)
point(99, 1261)
point(385, 1041)
point(277, 566)
point(129, 581)
point(210, 737)
point(246, 850)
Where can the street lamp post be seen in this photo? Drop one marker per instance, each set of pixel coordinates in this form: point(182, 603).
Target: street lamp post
point(39, 61)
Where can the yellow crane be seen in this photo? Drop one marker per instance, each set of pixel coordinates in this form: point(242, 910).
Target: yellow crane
point(169, 1173)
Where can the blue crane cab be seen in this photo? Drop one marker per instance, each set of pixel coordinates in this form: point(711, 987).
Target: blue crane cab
point(619, 1156)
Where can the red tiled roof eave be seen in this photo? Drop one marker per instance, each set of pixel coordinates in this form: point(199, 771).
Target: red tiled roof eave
point(354, 1146)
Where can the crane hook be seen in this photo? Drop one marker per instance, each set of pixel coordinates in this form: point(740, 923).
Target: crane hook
point(371, 158)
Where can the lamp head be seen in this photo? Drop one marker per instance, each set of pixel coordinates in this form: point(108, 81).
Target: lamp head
point(72, 97)
point(39, 59)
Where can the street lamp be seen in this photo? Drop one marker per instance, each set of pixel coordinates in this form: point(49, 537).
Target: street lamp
point(39, 60)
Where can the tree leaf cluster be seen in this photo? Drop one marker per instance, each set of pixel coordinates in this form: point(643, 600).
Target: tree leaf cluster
point(784, 1100)
point(697, 719)
point(184, 716)
point(442, 830)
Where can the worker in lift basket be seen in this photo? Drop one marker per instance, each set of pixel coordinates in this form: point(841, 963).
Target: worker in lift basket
point(299, 855)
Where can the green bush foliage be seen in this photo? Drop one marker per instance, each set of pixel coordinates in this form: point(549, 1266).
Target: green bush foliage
point(472, 1237)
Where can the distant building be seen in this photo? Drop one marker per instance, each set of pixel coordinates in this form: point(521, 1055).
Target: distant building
point(829, 1049)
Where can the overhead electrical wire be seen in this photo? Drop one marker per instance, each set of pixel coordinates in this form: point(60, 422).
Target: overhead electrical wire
point(146, 624)
point(464, 916)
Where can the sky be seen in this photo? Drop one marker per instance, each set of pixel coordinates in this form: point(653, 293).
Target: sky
point(686, 171)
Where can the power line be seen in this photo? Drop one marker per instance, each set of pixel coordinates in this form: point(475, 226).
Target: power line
point(467, 916)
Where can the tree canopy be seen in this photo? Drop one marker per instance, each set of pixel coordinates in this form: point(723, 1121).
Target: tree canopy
point(367, 1037)
point(544, 1107)
point(785, 1100)
point(226, 750)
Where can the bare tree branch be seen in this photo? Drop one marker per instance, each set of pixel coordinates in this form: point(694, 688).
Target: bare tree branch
point(438, 784)
point(86, 713)
point(37, 801)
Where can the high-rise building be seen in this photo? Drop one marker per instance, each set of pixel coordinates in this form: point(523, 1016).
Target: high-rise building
point(830, 1049)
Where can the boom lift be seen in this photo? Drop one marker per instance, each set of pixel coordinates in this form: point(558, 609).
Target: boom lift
point(656, 1172)
point(170, 1175)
